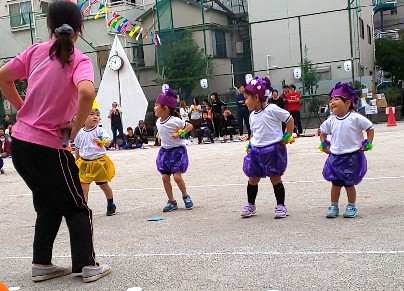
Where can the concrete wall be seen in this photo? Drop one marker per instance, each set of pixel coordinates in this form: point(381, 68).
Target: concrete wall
point(325, 35)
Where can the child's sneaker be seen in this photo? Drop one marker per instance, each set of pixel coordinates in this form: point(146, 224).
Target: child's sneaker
point(351, 211)
point(280, 211)
point(171, 205)
point(188, 202)
point(332, 212)
point(248, 210)
point(111, 210)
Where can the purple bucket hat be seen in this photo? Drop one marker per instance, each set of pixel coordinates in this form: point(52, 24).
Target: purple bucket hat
point(346, 91)
point(260, 86)
point(168, 99)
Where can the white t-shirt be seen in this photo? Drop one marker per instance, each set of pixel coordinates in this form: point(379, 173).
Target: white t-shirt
point(184, 114)
point(88, 149)
point(346, 132)
point(266, 125)
point(166, 128)
point(195, 115)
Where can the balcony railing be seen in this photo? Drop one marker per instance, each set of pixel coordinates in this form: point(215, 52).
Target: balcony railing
point(382, 5)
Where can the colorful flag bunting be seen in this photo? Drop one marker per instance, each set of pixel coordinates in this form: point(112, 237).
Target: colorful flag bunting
point(114, 16)
point(103, 10)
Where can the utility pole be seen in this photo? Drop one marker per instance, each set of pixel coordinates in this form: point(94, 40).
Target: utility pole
point(351, 43)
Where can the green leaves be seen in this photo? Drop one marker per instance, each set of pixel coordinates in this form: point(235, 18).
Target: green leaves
point(184, 63)
point(390, 56)
point(310, 76)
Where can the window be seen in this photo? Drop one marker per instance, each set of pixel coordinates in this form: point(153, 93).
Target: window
point(369, 35)
point(361, 29)
point(20, 14)
point(44, 7)
point(138, 55)
point(221, 42)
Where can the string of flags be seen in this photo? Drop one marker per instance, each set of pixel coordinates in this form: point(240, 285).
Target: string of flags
point(121, 24)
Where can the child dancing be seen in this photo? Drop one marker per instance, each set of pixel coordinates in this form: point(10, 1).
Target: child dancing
point(346, 163)
point(91, 158)
point(172, 158)
point(267, 155)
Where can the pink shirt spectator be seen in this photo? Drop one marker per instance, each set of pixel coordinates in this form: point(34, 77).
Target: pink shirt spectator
point(50, 101)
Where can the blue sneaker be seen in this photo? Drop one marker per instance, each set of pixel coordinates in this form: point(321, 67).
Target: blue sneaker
point(188, 202)
point(332, 212)
point(351, 211)
point(171, 205)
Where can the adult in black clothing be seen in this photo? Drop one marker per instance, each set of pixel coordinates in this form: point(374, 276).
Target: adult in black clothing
point(277, 100)
point(6, 121)
point(243, 114)
point(115, 115)
point(141, 133)
point(205, 128)
point(217, 112)
point(227, 123)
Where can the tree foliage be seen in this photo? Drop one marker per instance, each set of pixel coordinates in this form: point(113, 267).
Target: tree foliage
point(310, 76)
point(390, 57)
point(184, 64)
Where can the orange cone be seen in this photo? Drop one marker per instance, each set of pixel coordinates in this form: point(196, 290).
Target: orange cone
point(3, 287)
point(391, 119)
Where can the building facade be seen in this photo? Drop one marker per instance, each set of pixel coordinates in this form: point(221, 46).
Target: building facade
point(328, 33)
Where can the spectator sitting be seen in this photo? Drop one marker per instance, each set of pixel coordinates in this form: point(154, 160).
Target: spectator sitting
point(141, 133)
point(227, 123)
point(131, 140)
point(205, 128)
point(5, 149)
point(209, 111)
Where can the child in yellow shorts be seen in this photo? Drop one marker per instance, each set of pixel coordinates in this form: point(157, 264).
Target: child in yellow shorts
point(91, 158)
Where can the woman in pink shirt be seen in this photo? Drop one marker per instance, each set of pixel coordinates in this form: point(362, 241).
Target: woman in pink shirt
point(60, 85)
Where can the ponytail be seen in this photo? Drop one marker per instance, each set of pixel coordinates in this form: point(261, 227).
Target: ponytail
point(64, 21)
point(62, 49)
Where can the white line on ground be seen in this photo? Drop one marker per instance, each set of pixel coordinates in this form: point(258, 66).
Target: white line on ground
point(230, 184)
point(207, 254)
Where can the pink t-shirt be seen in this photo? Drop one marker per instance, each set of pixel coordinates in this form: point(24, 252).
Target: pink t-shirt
point(51, 98)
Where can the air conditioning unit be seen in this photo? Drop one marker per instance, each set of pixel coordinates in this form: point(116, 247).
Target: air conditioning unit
point(239, 47)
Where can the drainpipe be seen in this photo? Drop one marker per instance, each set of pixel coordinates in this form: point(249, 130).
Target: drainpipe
point(301, 51)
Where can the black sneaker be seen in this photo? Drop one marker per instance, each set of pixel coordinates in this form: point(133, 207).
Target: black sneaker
point(1, 171)
point(111, 210)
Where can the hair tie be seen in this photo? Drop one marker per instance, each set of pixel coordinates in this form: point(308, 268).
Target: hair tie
point(64, 29)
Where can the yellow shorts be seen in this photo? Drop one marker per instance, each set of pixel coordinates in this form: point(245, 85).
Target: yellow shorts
point(99, 170)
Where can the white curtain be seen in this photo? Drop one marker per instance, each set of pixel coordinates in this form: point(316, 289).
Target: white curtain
point(25, 12)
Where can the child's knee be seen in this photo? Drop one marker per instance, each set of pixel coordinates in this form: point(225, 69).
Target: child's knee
point(177, 177)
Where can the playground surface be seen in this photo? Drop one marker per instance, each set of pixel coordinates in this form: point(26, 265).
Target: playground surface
point(211, 247)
